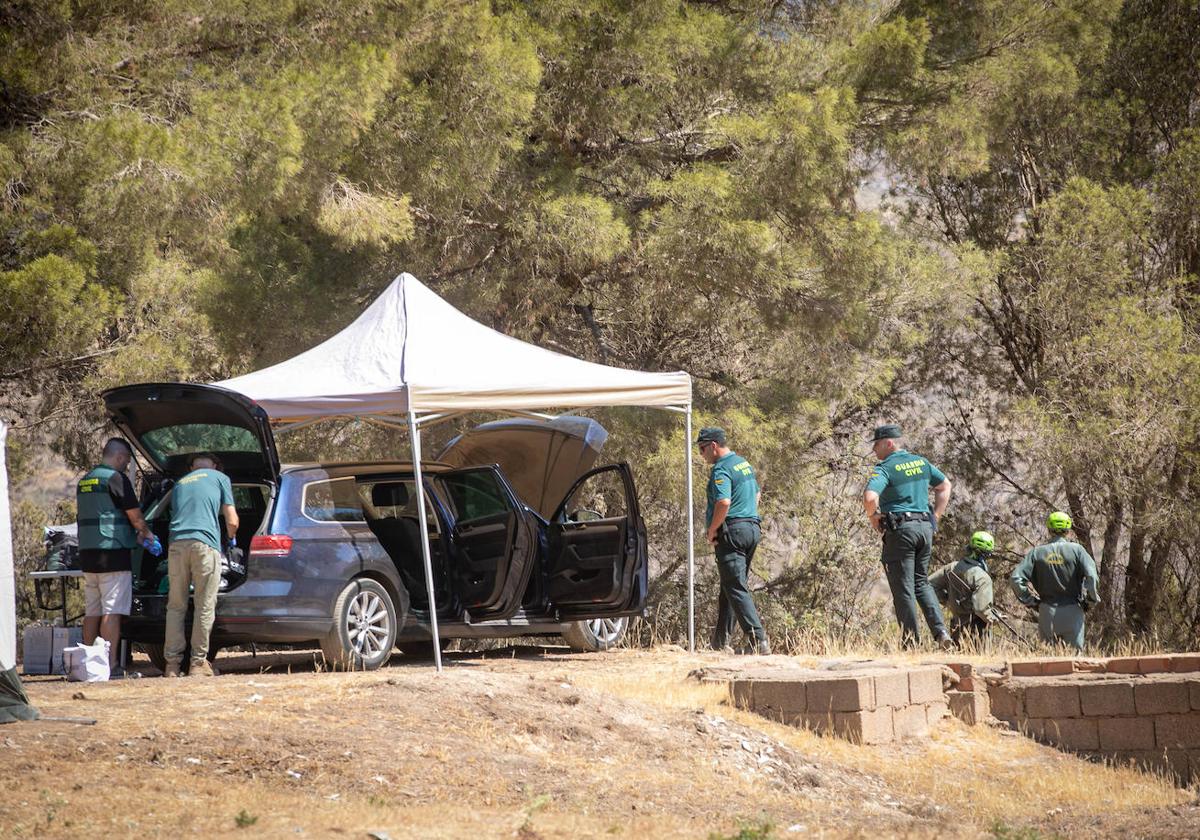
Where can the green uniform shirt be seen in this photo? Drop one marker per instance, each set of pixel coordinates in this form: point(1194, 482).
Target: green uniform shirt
point(196, 503)
point(902, 481)
point(970, 593)
point(1061, 572)
point(732, 478)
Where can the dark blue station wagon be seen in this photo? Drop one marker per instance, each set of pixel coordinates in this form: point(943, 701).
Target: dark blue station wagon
point(526, 538)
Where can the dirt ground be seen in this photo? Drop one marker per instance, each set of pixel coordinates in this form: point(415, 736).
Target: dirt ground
point(528, 742)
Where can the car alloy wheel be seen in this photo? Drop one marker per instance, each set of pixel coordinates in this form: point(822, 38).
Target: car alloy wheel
point(364, 627)
point(596, 634)
point(608, 631)
point(368, 624)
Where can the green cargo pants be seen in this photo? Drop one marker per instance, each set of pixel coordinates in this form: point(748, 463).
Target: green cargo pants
point(1061, 623)
point(735, 550)
point(906, 554)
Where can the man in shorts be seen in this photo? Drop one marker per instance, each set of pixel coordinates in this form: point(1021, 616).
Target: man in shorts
point(110, 527)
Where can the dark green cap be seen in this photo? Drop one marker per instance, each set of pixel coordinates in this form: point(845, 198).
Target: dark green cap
point(711, 434)
point(888, 430)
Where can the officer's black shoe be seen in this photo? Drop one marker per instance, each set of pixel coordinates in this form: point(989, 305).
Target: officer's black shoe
point(945, 642)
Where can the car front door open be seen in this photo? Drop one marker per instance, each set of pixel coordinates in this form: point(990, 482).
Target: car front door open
point(491, 540)
point(596, 563)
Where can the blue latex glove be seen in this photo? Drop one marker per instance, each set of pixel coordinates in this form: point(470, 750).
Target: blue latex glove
point(152, 545)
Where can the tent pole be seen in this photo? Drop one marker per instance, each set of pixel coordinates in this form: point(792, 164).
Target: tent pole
point(415, 437)
point(691, 531)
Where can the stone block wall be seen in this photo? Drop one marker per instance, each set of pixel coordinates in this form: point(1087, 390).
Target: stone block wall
point(867, 707)
point(1145, 710)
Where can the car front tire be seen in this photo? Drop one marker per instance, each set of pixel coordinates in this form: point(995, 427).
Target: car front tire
point(596, 634)
point(364, 627)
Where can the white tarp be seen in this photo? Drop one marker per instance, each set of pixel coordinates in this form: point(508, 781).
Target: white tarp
point(411, 350)
point(8, 591)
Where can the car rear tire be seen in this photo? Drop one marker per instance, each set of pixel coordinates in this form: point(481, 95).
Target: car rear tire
point(364, 627)
point(596, 634)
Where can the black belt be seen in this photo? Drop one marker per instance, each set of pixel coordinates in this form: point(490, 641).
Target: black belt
point(735, 520)
point(892, 519)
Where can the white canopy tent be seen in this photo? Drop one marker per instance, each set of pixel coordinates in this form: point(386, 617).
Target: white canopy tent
point(411, 358)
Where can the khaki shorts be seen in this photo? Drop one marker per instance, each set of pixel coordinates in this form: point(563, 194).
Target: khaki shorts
point(107, 593)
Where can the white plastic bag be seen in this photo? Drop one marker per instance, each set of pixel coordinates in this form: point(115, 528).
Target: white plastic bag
point(87, 663)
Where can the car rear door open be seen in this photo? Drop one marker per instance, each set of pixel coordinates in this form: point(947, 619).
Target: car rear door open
point(596, 563)
point(492, 542)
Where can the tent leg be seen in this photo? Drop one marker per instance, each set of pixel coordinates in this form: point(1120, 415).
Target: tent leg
point(691, 532)
point(415, 436)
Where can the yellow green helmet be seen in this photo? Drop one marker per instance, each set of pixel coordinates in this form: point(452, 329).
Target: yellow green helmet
point(1058, 522)
point(983, 541)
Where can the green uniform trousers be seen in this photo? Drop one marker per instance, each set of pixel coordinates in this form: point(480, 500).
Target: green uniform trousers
point(1061, 623)
point(906, 554)
point(735, 550)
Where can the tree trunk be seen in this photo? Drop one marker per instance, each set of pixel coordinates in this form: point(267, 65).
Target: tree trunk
point(1107, 562)
point(1135, 568)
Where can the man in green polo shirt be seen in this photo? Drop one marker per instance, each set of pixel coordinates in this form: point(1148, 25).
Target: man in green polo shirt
point(194, 560)
point(732, 528)
point(896, 501)
point(1060, 578)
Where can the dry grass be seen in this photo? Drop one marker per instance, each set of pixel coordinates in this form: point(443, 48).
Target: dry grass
point(528, 743)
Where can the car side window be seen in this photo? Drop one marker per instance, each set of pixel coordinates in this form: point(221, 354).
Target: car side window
point(392, 498)
point(476, 495)
point(335, 500)
point(600, 496)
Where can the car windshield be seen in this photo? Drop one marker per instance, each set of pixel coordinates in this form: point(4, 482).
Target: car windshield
point(171, 441)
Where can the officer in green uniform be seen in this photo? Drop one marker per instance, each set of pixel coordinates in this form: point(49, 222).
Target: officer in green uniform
point(966, 588)
point(732, 528)
point(896, 501)
point(1060, 578)
point(110, 527)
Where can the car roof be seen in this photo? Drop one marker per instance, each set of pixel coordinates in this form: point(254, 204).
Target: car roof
point(363, 467)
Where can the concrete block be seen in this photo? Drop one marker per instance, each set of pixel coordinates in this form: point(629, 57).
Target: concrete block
point(1072, 733)
point(1194, 694)
point(844, 694)
point(891, 689)
point(1089, 666)
point(925, 685)
point(1173, 732)
point(741, 693)
point(1122, 665)
point(1005, 702)
point(1162, 697)
point(1107, 699)
point(1172, 763)
point(1185, 663)
point(1153, 665)
point(1126, 733)
point(971, 707)
point(779, 696)
point(873, 726)
point(936, 712)
point(910, 721)
point(1056, 700)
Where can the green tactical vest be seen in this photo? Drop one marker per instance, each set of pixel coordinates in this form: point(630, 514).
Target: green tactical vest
point(102, 525)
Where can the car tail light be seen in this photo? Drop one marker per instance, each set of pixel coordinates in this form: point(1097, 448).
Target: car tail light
point(271, 545)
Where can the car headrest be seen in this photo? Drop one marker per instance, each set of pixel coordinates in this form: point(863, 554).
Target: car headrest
point(389, 495)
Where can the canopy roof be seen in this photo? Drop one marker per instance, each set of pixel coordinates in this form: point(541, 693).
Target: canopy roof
point(412, 350)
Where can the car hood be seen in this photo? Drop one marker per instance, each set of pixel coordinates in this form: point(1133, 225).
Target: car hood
point(541, 459)
point(168, 422)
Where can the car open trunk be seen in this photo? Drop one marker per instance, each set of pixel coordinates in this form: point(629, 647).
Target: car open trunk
point(168, 423)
